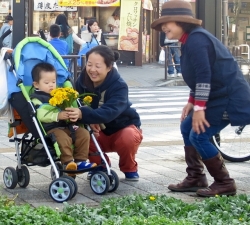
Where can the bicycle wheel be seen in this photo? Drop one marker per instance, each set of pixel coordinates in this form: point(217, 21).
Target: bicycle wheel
point(233, 142)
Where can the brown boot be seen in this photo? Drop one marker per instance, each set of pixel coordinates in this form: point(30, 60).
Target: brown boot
point(223, 184)
point(195, 179)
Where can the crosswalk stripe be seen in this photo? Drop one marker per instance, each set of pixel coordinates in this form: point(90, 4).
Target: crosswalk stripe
point(159, 103)
point(150, 104)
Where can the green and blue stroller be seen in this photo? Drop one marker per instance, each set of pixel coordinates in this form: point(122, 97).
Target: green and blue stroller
point(33, 146)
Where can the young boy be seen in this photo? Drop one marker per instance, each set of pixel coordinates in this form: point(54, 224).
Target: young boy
point(60, 45)
point(44, 80)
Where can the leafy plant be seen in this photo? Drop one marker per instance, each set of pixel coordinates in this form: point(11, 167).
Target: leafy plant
point(133, 210)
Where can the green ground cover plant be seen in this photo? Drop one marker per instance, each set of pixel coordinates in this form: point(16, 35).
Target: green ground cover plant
point(135, 209)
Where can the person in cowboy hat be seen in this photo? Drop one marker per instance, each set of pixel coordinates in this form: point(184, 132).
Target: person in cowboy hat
point(219, 96)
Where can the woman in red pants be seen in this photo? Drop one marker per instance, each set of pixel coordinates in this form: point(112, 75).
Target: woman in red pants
point(111, 107)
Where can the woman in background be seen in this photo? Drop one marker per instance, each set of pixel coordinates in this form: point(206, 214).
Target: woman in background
point(94, 29)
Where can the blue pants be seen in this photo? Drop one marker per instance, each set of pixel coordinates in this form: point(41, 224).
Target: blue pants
point(201, 141)
point(173, 53)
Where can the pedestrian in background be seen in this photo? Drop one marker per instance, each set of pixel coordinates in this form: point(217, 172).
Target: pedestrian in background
point(67, 34)
point(7, 42)
point(96, 33)
point(219, 95)
point(173, 54)
point(60, 45)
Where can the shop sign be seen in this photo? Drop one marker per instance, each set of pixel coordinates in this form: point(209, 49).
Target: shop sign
point(4, 7)
point(51, 5)
point(129, 25)
point(101, 3)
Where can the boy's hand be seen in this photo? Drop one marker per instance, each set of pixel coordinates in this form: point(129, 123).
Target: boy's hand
point(63, 115)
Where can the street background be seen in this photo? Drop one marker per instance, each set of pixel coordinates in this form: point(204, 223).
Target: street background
point(160, 156)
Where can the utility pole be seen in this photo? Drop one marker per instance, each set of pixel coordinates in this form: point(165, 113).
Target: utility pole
point(225, 22)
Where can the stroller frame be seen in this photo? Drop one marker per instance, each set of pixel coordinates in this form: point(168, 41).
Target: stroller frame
point(62, 187)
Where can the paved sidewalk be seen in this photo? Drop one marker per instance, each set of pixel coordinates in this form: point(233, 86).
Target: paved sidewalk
point(160, 159)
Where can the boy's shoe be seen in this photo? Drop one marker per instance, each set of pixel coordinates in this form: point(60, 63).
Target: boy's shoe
point(85, 165)
point(71, 166)
point(131, 176)
point(179, 74)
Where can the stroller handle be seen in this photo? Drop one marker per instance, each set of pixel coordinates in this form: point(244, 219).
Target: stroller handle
point(5, 34)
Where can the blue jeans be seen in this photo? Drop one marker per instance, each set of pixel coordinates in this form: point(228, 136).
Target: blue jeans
point(173, 53)
point(201, 141)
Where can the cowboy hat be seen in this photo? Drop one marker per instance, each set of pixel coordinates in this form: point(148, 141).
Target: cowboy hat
point(175, 11)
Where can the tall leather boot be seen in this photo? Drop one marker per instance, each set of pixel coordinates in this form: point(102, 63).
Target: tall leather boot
point(196, 178)
point(223, 184)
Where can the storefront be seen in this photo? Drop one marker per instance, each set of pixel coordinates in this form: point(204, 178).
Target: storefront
point(42, 13)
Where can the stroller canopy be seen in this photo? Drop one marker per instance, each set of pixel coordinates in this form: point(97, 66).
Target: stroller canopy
point(27, 54)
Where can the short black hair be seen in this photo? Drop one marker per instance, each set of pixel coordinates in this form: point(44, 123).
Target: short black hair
point(40, 67)
point(55, 30)
point(8, 18)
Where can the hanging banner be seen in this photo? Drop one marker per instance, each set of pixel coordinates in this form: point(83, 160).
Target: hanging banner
point(101, 3)
point(129, 25)
point(51, 5)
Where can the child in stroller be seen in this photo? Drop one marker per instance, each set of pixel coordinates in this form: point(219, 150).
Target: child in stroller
point(44, 81)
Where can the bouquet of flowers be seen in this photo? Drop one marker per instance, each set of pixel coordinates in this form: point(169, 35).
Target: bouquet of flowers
point(64, 97)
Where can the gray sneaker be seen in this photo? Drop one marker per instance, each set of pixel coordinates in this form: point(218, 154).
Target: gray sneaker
point(171, 75)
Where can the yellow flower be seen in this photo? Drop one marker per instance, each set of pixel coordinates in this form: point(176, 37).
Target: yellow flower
point(152, 198)
point(87, 100)
point(63, 97)
point(240, 219)
point(216, 196)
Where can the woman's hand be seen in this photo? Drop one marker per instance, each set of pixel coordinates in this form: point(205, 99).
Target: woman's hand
point(74, 114)
point(186, 110)
point(95, 128)
point(199, 122)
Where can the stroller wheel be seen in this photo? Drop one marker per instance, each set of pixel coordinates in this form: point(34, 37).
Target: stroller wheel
point(61, 190)
point(99, 183)
point(23, 176)
point(114, 181)
point(52, 172)
point(74, 184)
point(10, 177)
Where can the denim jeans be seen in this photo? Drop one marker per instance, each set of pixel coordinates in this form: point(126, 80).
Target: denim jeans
point(201, 141)
point(173, 53)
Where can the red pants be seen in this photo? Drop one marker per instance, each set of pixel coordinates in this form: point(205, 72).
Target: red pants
point(125, 142)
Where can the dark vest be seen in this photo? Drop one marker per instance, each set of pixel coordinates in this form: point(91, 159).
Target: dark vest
point(230, 91)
